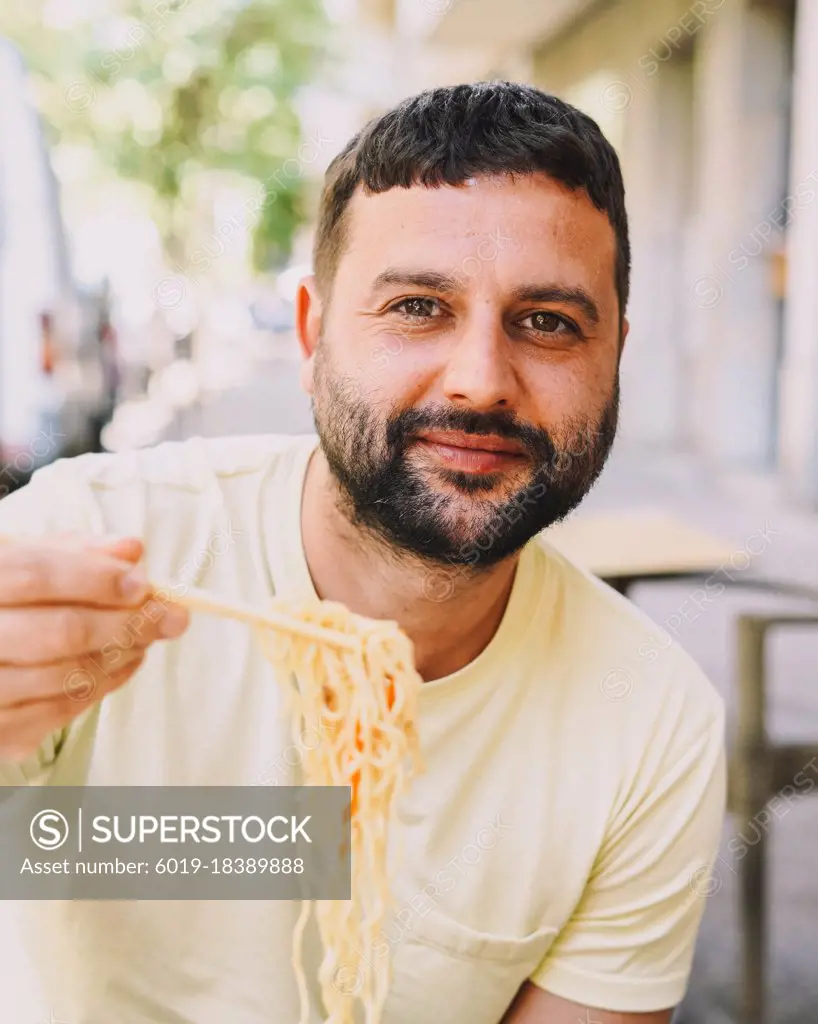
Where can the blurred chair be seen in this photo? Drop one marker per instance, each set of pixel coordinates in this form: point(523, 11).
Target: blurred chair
point(759, 770)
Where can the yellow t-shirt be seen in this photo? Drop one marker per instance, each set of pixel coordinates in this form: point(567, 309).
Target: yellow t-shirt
point(571, 807)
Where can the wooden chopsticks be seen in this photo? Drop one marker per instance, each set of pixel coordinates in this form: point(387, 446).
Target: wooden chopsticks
point(203, 601)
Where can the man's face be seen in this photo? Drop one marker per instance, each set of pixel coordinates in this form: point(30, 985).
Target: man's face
point(465, 377)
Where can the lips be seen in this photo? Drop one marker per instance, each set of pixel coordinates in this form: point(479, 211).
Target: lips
point(471, 453)
point(473, 442)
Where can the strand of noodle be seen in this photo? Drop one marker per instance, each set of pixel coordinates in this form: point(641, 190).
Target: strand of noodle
point(297, 961)
point(352, 681)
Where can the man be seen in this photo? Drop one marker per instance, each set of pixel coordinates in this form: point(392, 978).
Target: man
point(462, 337)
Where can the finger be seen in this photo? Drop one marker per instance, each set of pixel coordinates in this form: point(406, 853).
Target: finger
point(25, 727)
point(79, 678)
point(42, 635)
point(128, 549)
point(92, 682)
point(42, 573)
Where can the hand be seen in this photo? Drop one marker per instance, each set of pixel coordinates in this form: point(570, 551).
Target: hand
point(76, 619)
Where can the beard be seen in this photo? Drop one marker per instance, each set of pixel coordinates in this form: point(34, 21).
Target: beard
point(440, 515)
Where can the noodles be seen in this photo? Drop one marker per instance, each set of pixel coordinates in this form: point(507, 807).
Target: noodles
point(356, 686)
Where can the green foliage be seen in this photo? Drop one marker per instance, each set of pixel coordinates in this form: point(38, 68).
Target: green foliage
point(168, 92)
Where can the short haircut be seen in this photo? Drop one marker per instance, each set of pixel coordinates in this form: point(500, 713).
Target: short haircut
point(446, 136)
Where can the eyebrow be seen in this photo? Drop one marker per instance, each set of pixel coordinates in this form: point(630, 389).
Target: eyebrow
point(430, 279)
point(558, 293)
point(452, 283)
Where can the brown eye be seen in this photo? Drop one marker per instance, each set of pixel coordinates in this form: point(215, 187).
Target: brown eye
point(418, 308)
point(549, 323)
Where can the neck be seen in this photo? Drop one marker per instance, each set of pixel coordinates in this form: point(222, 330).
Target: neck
point(449, 615)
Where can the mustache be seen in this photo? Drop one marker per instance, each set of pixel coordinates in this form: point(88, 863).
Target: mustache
point(402, 427)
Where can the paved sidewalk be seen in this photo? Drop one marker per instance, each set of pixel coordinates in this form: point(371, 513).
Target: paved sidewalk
point(748, 512)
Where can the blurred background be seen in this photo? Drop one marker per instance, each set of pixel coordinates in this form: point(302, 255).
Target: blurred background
point(160, 162)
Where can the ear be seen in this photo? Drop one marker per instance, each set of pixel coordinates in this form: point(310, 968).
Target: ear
point(623, 338)
point(308, 313)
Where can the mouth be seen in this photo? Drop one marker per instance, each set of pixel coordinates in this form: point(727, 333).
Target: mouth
point(471, 453)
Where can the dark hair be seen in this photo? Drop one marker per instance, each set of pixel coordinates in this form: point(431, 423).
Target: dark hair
point(445, 136)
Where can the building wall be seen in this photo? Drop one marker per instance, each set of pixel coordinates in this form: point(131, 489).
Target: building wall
point(695, 98)
point(798, 434)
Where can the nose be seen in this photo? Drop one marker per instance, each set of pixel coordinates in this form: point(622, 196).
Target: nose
point(480, 372)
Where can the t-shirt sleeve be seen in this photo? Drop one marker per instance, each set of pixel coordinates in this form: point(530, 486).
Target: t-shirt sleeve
point(629, 945)
point(48, 504)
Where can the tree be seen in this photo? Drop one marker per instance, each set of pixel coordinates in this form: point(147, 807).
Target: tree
point(172, 92)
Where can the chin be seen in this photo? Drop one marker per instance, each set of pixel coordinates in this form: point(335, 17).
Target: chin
point(499, 485)
point(475, 483)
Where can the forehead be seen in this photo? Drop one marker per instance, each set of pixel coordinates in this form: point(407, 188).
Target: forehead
point(527, 228)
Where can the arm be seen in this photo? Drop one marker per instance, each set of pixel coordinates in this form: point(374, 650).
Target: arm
point(535, 1006)
point(624, 956)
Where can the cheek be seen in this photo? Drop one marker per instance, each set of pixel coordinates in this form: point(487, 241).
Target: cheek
point(563, 395)
point(560, 388)
point(400, 363)
point(399, 372)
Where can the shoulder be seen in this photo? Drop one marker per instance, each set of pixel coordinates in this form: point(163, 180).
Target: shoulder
point(191, 464)
point(646, 724)
point(627, 670)
point(106, 491)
